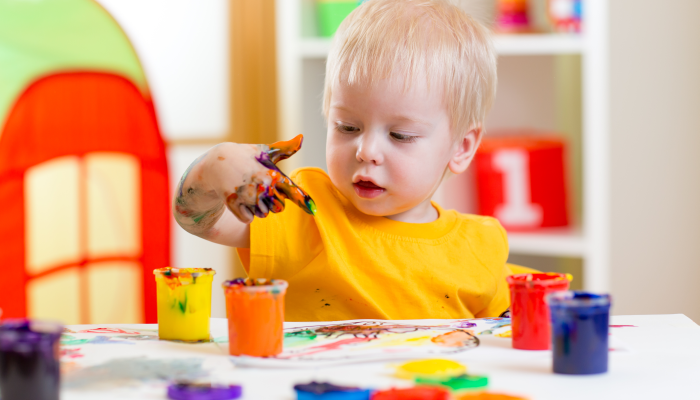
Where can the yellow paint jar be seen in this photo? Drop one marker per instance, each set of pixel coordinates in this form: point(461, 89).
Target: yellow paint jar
point(184, 303)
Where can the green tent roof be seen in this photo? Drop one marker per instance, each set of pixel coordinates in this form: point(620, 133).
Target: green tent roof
point(42, 37)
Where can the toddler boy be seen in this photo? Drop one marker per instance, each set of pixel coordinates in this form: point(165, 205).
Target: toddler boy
point(408, 85)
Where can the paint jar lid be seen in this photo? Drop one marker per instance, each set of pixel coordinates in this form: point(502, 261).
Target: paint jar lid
point(414, 393)
point(577, 299)
point(457, 382)
point(203, 391)
point(256, 285)
point(430, 368)
point(548, 279)
point(27, 335)
point(328, 391)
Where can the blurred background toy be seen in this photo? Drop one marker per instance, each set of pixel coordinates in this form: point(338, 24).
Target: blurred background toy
point(331, 13)
point(512, 16)
point(565, 15)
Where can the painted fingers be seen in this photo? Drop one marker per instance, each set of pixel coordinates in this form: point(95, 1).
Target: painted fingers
point(282, 150)
point(296, 194)
point(265, 194)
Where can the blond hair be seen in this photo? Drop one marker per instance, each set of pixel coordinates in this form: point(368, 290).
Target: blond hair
point(431, 38)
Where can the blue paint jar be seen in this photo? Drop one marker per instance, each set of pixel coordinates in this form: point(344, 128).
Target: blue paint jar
point(580, 323)
point(328, 391)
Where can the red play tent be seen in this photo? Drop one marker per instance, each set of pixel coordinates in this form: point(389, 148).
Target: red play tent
point(83, 173)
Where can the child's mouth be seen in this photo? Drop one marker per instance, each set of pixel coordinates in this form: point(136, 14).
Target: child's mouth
point(367, 189)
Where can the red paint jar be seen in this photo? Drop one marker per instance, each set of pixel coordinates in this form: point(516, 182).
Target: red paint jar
point(528, 310)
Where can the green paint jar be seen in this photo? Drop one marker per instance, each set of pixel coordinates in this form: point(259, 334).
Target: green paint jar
point(331, 13)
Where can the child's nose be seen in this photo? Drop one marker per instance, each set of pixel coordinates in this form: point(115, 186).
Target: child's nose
point(369, 149)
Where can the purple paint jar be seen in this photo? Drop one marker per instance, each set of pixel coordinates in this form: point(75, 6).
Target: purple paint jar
point(29, 362)
point(580, 323)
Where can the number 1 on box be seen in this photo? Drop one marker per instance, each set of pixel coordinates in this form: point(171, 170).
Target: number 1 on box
point(517, 208)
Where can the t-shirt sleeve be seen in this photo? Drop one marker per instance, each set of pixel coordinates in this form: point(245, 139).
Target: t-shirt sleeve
point(501, 299)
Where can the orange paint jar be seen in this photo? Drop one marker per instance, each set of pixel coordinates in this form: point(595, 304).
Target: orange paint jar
point(255, 311)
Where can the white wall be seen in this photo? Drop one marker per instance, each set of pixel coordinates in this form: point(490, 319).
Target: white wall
point(184, 49)
point(655, 128)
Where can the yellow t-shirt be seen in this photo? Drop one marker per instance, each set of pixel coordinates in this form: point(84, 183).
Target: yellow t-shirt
point(343, 264)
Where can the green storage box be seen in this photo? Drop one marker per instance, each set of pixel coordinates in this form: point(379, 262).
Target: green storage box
point(332, 13)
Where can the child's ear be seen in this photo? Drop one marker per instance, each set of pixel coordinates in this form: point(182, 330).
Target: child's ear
point(465, 150)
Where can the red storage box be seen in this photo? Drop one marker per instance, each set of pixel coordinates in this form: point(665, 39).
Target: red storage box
point(521, 181)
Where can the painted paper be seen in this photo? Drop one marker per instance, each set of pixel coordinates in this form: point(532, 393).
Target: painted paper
point(376, 340)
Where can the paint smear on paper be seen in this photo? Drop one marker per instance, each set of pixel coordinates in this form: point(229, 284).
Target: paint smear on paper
point(463, 324)
point(68, 340)
point(327, 347)
point(415, 339)
point(71, 353)
point(108, 330)
point(454, 339)
point(137, 337)
point(134, 370)
point(299, 338)
point(622, 326)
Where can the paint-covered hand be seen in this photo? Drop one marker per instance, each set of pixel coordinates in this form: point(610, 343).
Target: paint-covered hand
point(264, 186)
point(242, 178)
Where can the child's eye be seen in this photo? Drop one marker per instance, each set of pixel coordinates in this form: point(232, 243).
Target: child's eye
point(347, 129)
point(403, 138)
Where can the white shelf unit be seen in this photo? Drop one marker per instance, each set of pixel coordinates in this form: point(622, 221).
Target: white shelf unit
point(590, 240)
point(531, 44)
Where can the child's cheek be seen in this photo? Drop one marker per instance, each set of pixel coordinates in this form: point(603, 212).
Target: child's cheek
point(405, 174)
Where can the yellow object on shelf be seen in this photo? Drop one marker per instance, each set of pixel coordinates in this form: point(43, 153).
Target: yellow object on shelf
point(184, 303)
point(430, 369)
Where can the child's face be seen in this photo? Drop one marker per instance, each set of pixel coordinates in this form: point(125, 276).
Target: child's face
point(387, 149)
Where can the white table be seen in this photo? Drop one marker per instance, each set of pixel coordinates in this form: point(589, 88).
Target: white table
point(658, 358)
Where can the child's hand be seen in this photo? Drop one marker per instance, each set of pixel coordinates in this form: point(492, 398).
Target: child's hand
point(264, 186)
point(240, 177)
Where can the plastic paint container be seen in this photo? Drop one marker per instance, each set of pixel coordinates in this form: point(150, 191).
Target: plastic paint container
point(331, 13)
point(430, 369)
point(203, 391)
point(528, 310)
point(255, 311)
point(455, 383)
point(184, 303)
point(580, 324)
point(414, 393)
point(29, 362)
point(329, 391)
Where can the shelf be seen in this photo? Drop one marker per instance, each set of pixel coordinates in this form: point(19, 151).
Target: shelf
point(530, 44)
point(548, 242)
point(538, 44)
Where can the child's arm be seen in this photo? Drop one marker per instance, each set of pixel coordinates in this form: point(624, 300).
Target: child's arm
point(242, 179)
